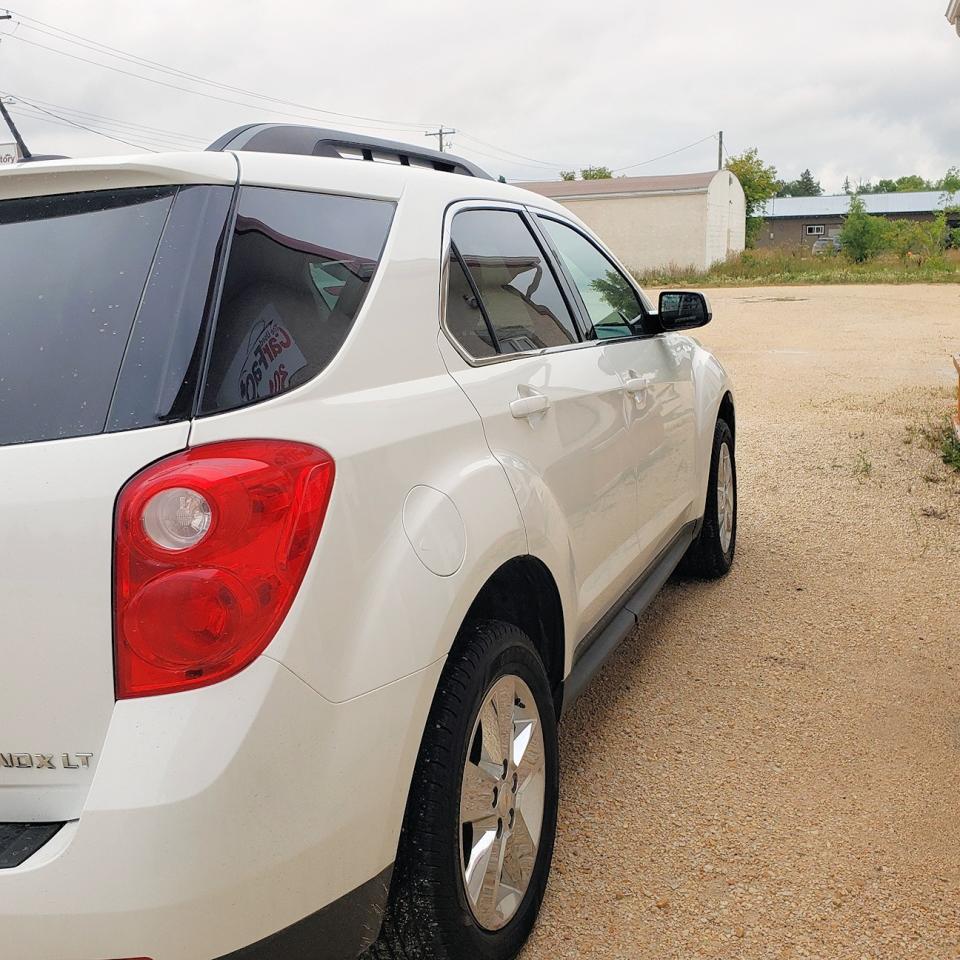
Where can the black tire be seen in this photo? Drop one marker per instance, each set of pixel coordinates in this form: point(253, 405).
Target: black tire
point(428, 916)
point(706, 558)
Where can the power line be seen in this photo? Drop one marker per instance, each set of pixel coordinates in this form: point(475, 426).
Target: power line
point(643, 163)
point(509, 153)
point(172, 86)
point(99, 120)
point(81, 126)
point(96, 46)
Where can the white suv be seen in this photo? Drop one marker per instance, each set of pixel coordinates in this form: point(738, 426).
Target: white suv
point(326, 486)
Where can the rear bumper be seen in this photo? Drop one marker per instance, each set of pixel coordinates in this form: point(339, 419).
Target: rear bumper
point(221, 816)
point(345, 928)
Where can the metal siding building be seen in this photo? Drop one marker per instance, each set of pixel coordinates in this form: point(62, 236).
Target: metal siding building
point(692, 219)
point(792, 221)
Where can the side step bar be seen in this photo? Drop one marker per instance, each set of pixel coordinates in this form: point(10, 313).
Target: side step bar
point(592, 652)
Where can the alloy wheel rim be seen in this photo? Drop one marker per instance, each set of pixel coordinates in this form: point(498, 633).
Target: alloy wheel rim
point(502, 798)
point(726, 494)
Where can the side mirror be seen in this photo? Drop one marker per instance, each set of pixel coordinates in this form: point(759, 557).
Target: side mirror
point(683, 310)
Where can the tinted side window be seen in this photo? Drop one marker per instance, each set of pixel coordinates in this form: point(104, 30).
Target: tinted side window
point(518, 290)
point(465, 318)
point(300, 266)
point(72, 271)
point(162, 366)
point(612, 303)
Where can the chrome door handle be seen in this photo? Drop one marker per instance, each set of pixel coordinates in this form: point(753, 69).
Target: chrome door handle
point(528, 406)
point(636, 385)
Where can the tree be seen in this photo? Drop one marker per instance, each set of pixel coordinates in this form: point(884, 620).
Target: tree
point(951, 182)
point(804, 186)
point(596, 173)
point(912, 182)
point(917, 239)
point(568, 174)
point(847, 188)
point(863, 236)
point(759, 182)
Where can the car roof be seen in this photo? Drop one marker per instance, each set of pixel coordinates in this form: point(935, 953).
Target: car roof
point(382, 180)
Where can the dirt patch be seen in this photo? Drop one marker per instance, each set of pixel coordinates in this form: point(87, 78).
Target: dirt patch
point(771, 768)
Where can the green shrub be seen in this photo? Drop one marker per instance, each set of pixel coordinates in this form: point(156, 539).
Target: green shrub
point(863, 236)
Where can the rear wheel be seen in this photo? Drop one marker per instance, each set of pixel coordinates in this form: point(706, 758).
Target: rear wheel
point(478, 835)
point(710, 556)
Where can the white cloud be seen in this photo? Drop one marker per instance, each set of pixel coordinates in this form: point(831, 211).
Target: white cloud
point(864, 90)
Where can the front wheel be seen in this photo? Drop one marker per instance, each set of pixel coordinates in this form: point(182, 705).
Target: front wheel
point(710, 556)
point(478, 834)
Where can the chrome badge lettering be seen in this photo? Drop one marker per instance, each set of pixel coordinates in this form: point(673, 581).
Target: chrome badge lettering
point(45, 761)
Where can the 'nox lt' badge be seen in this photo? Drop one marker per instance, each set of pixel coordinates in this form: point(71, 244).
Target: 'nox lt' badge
point(45, 761)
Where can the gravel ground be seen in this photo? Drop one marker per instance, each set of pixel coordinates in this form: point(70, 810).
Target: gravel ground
point(771, 767)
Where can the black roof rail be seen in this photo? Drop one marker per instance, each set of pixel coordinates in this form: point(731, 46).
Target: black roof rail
point(319, 142)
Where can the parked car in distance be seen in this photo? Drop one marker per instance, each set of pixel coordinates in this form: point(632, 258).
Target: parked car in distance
point(827, 245)
point(332, 471)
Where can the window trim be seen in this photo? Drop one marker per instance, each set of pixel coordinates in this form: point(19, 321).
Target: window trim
point(447, 248)
point(587, 322)
point(815, 230)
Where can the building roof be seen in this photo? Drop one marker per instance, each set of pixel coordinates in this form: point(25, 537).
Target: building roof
point(953, 14)
point(621, 186)
point(921, 201)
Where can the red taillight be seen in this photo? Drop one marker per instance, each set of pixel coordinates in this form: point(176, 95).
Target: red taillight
point(211, 547)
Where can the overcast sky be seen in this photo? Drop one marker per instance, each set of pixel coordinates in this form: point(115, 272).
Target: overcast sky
point(859, 89)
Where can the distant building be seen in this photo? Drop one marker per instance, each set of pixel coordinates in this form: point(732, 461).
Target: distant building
point(793, 221)
point(692, 219)
point(953, 14)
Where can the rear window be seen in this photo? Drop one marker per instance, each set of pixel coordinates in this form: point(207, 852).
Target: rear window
point(72, 269)
point(102, 303)
point(299, 269)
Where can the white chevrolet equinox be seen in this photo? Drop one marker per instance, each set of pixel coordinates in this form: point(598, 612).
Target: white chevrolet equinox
point(325, 486)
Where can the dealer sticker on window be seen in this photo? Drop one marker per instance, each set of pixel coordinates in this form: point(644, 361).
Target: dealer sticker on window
point(271, 359)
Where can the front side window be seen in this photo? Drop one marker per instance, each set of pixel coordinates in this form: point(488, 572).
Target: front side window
point(519, 296)
point(610, 299)
point(300, 266)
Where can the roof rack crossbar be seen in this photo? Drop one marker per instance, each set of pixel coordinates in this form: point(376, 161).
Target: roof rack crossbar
point(320, 142)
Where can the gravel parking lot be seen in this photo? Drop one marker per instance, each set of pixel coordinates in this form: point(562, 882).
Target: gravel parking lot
point(771, 767)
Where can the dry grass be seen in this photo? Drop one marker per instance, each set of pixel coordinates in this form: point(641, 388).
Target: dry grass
point(800, 266)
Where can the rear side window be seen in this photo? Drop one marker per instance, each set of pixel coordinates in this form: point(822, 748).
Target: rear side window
point(519, 295)
point(72, 271)
point(300, 266)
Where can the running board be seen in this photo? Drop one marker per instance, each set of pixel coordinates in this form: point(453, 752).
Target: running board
point(592, 652)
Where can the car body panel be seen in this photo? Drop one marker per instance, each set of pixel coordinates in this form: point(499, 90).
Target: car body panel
point(56, 513)
point(265, 797)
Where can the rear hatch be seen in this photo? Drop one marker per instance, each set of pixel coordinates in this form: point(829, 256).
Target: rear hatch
point(106, 283)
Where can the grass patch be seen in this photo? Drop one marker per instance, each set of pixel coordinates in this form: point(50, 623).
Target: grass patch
point(755, 268)
point(939, 437)
point(950, 448)
point(863, 467)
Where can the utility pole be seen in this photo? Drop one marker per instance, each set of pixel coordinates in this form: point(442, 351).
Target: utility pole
point(25, 153)
point(441, 133)
point(720, 153)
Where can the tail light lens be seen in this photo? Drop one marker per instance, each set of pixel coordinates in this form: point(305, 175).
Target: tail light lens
point(211, 547)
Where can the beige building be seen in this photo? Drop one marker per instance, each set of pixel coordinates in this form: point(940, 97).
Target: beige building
point(692, 219)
